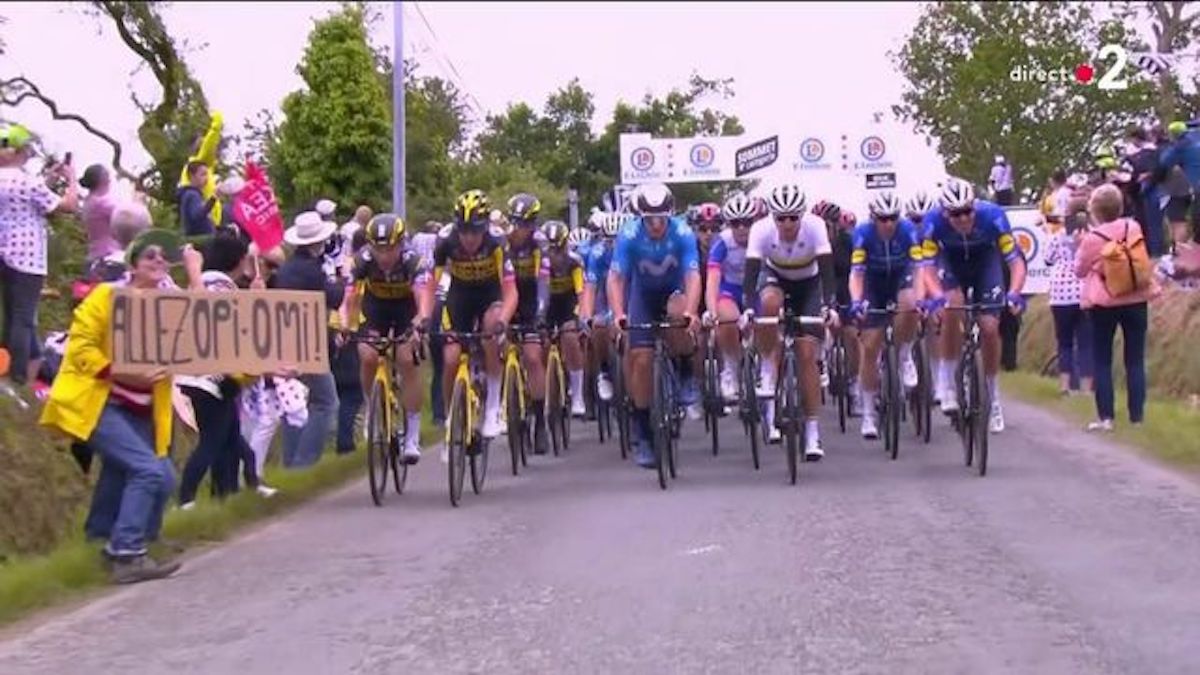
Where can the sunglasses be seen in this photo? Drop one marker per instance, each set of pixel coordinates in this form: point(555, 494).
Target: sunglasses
point(153, 253)
point(959, 213)
point(655, 220)
point(741, 224)
point(788, 218)
point(887, 219)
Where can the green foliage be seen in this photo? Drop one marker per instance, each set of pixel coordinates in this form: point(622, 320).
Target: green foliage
point(957, 62)
point(336, 138)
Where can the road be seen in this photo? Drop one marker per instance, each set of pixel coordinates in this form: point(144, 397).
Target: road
point(1071, 556)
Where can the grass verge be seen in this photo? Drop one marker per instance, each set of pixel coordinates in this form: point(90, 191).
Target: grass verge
point(73, 568)
point(1170, 432)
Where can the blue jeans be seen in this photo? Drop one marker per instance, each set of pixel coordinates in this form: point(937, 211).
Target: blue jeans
point(106, 502)
point(125, 442)
point(302, 446)
point(21, 293)
point(1073, 331)
point(1133, 321)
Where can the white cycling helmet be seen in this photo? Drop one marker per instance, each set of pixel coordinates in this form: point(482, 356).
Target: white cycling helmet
point(884, 205)
point(739, 206)
point(787, 199)
point(654, 199)
point(919, 204)
point(957, 194)
point(611, 224)
point(579, 236)
point(597, 219)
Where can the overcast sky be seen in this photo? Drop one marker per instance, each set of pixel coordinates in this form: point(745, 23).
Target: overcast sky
point(796, 67)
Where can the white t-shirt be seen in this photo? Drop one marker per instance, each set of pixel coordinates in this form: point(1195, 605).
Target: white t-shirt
point(794, 260)
point(25, 201)
point(1062, 201)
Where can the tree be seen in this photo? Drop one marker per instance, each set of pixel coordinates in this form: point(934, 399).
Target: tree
point(960, 93)
point(336, 137)
point(1174, 26)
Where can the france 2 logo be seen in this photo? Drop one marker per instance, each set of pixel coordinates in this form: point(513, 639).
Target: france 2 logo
point(642, 159)
point(702, 155)
point(812, 150)
point(872, 148)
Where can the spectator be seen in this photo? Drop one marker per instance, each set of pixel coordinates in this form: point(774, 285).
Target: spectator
point(124, 418)
point(1054, 202)
point(25, 203)
point(206, 150)
point(1181, 267)
point(1179, 170)
point(1142, 157)
point(346, 369)
point(214, 398)
point(362, 216)
point(1107, 312)
point(424, 242)
point(97, 211)
point(1001, 181)
point(196, 211)
point(1072, 328)
point(227, 190)
point(304, 272)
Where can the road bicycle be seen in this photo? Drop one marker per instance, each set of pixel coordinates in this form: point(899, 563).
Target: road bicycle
point(789, 413)
point(465, 444)
point(970, 381)
point(558, 399)
point(666, 412)
point(515, 399)
point(891, 399)
point(386, 423)
point(714, 402)
point(920, 398)
point(840, 376)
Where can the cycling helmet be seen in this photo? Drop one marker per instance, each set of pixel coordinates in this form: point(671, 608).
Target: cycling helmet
point(15, 136)
point(556, 232)
point(787, 199)
point(524, 208)
point(827, 210)
point(919, 204)
point(957, 194)
point(884, 205)
point(707, 212)
point(596, 221)
point(385, 229)
point(654, 199)
point(578, 236)
point(740, 206)
point(615, 199)
point(848, 219)
point(471, 209)
point(610, 224)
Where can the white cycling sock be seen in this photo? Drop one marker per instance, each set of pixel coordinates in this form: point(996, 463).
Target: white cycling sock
point(576, 383)
point(493, 392)
point(812, 430)
point(994, 389)
point(414, 429)
point(947, 375)
point(906, 352)
point(767, 369)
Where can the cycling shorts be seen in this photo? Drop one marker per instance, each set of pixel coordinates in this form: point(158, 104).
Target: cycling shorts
point(881, 290)
point(730, 292)
point(647, 306)
point(802, 297)
point(382, 316)
point(561, 309)
point(466, 305)
point(984, 276)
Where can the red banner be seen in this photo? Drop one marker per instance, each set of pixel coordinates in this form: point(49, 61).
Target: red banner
point(256, 211)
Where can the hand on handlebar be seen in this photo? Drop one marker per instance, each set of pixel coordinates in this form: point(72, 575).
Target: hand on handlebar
point(1016, 303)
point(746, 319)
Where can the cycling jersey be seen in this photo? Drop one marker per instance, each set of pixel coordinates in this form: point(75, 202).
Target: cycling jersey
point(887, 264)
point(389, 295)
point(794, 260)
point(655, 270)
point(973, 260)
point(596, 274)
point(527, 260)
point(476, 278)
point(730, 259)
point(563, 271)
point(842, 243)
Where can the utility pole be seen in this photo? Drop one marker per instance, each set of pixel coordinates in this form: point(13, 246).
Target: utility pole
point(398, 109)
point(573, 208)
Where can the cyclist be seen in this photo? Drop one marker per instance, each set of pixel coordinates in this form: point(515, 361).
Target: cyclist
point(706, 222)
point(655, 267)
point(526, 249)
point(966, 241)
point(794, 248)
point(916, 208)
point(887, 253)
point(389, 288)
point(723, 290)
point(593, 306)
point(840, 242)
point(483, 291)
point(580, 241)
point(562, 272)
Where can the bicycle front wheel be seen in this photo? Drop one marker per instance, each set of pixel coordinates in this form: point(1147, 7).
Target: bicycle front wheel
point(982, 416)
point(714, 401)
point(749, 406)
point(514, 416)
point(788, 404)
point(554, 401)
point(379, 444)
point(892, 402)
point(660, 419)
point(456, 440)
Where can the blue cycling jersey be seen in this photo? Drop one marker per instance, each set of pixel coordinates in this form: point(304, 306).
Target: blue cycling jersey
point(657, 265)
point(726, 256)
point(877, 256)
point(990, 234)
point(584, 248)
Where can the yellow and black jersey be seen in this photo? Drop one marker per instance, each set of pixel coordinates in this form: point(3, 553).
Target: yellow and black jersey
point(486, 266)
point(564, 269)
point(390, 285)
point(527, 261)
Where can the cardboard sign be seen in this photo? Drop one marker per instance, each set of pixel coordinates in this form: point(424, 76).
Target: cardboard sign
point(212, 333)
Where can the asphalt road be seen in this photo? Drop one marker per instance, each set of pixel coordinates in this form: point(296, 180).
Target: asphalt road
point(1071, 556)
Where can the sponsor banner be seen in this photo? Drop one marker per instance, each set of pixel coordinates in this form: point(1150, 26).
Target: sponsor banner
point(881, 181)
point(1028, 229)
point(756, 156)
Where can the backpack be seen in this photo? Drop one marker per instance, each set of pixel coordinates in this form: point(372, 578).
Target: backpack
point(1126, 266)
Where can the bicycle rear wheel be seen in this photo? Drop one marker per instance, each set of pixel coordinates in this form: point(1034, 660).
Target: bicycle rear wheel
point(379, 444)
point(620, 402)
point(554, 401)
point(399, 466)
point(514, 417)
point(478, 456)
point(660, 418)
point(964, 422)
point(456, 441)
point(840, 381)
point(787, 403)
point(714, 402)
point(922, 397)
point(748, 403)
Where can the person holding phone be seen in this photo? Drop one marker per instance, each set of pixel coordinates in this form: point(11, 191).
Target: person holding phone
point(26, 203)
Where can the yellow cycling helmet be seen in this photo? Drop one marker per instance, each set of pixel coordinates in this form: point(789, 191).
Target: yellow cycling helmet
point(524, 208)
point(472, 210)
point(385, 229)
point(556, 232)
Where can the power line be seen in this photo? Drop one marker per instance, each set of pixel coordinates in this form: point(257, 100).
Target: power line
point(460, 81)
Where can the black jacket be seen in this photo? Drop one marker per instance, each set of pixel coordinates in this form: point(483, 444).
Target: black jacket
point(303, 272)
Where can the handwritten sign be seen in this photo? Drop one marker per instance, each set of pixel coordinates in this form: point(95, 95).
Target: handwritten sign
point(210, 333)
